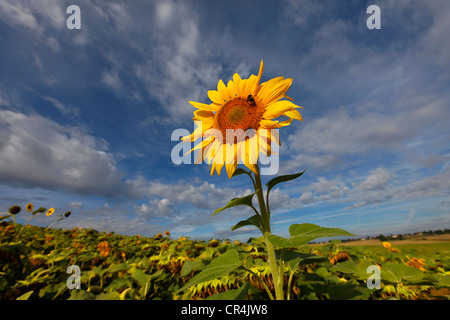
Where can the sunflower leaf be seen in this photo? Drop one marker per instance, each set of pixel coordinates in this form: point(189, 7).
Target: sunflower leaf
point(247, 200)
point(220, 266)
point(298, 259)
point(272, 183)
point(253, 220)
point(239, 171)
point(304, 233)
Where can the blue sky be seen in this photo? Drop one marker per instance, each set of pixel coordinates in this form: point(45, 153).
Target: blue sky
point(86, 116)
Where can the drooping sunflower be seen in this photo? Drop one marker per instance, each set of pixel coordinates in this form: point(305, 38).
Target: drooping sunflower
point(416, 263)
point(239, 122)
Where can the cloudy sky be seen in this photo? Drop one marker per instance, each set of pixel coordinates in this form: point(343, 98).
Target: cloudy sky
point(86, 116)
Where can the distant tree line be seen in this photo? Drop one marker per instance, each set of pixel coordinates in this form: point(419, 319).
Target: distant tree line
point(382, 237)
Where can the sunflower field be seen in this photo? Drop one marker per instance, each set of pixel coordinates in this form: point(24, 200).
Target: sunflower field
point(34, 264)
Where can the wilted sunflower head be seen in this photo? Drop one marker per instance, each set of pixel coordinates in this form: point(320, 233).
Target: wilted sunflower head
point(416, 263)
point(239, 123)
point(14, 209)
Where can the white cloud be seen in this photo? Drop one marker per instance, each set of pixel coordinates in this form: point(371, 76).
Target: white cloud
point(76, 205)
point(36, 151)
point(65, 109)
point(112, 80)
point(17, 14)
point(37, 16)
point(377, 179)
point(304, 11)
point(53, 44)
point(166, 198)
point(178, 69)
point(4, 100)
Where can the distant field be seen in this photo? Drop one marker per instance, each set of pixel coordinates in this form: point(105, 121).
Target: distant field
point(415, 240)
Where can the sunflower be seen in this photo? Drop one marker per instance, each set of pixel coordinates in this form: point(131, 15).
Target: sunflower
point(416, 263)
point(238, 124)
point(50, 211)
point(104, 248)
point(386, 244)
point(30, 207)
point(14, 209)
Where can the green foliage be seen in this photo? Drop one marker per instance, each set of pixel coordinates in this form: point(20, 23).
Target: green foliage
point(34, 261)
point(220, 266)
point(252, 221)
point(247, 200)
point(304, 233)
point(272, 183)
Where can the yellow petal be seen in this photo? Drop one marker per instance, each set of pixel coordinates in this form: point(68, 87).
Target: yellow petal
point(237, 83)
point(252, 167)
point(269, 135)
point(223, 91)
point(204, 113)
point(274, 90)
point(216, 167)
point(252, 150)
point(215, 97)
point(277, 109)
point(269, 124)
point(285, 123)
point(198, 133)
point(213, 153)
point(203, 106)
point(248, 85)
point(288, 98)
point(258, 80)
point(294, 114)
point(203, 144)
point(231, 89)
point(230, 169)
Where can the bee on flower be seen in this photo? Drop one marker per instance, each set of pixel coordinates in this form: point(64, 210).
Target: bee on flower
point(246, 110)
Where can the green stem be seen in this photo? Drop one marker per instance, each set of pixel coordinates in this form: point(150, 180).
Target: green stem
point(265, 219)
point(262, 204)
point(291, 276)
point(54, 223)
point(278, 285)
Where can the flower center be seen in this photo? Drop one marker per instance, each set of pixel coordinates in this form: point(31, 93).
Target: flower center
point(238, 113)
